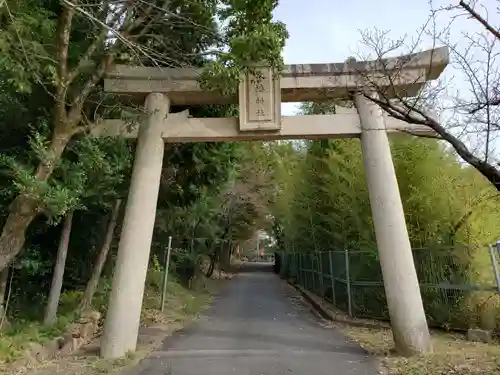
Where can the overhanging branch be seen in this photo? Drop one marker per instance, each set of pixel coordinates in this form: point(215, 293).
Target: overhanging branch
point(478, 17)
point(406, 112)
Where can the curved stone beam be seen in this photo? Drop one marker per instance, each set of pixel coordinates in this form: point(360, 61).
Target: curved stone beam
point(299, 82)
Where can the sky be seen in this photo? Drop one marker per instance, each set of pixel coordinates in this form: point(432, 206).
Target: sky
point(329, 30)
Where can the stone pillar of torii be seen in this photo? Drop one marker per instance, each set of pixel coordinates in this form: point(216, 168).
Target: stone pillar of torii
point(260, 118)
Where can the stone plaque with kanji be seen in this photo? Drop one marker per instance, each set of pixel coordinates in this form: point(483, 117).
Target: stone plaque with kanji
point(260, 101)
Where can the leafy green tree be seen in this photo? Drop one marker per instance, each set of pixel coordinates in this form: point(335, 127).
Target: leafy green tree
point(86, 39)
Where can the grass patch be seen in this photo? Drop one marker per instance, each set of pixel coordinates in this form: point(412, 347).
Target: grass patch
point(181, 303)
point(453, 354)
point(16, 339)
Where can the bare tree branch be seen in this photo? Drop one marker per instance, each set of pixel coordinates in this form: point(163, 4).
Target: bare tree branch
point(412, 115)
point(480, 19)
point(97, 43)
point(470, 115)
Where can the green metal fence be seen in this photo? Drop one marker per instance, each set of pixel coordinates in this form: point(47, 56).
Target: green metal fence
point(453, 282)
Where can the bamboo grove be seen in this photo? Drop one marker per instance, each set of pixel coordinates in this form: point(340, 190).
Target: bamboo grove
point(452, 214)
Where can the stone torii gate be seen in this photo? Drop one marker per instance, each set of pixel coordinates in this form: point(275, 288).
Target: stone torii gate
point(260, 119)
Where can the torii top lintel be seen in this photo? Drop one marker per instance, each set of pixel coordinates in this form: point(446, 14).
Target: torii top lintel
point(299, 82)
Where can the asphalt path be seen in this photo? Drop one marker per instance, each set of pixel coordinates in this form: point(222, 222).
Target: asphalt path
point(258, 325)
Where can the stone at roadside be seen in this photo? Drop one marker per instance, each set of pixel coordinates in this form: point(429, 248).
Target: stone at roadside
point(479, 335)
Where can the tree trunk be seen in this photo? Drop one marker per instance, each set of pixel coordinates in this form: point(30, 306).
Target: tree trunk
point(101, 258)
point(226, 257)
point(4, 280)
point(22, 212)
point(24, 208)
point(211, 268)
point(57, 278)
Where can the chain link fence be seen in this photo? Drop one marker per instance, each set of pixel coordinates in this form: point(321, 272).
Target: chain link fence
point(459, 285)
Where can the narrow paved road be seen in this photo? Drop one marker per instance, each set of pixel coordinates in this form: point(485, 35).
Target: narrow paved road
point(258, 326)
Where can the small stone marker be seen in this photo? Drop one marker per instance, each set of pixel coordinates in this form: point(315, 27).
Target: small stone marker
point(479, 335)
point(260, 101)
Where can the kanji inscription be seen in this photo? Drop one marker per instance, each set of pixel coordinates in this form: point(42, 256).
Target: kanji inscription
point(260, 101)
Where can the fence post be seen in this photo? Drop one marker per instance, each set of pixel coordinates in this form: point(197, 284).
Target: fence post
point(295, 268)
point(321, 281)
point(304, 270)
point(348, 278)
point(303, 275)
point(313, 272)
point(286, 272)
point(165, 275)
point(332, 278)
point(494, 263)
point(299, 269)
